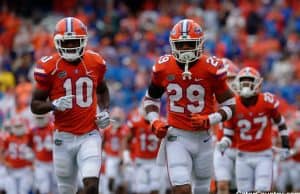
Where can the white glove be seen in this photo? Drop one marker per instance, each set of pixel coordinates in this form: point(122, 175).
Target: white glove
point(223, 144)
point(284, 153)
point(102, 119)
point(63, 103)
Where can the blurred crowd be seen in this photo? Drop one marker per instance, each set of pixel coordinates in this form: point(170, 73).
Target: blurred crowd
point(131, 34)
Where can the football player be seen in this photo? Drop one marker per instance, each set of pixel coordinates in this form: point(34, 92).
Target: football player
point(192, 81)
point(73, 80)
point(252, 125)
point(113, 136)
point(294, 137)
point(224, 163)
point(18, 158)
point(147, 172)
point(4, 133)
point(42, 147)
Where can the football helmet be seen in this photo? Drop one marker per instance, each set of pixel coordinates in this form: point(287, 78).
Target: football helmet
point(248, 82)
point(41, 120)
point(18, 126)
point(232, 71)
point(186, 40)
point(70, 38)
point(118, 117)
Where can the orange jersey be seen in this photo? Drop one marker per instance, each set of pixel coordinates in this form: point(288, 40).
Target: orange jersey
point(195, 95)
point(16, 149)
point(113, 139)
point(294, 138)
point(253, 125)
point(41, 137)
point(146, 143)
point(60, 78)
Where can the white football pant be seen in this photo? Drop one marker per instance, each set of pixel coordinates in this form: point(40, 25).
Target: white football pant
point(147, 175)
point(224, 165)
point(254, 171)
point(19, 181)
point(44, 179)
point(188, 154)
point(72, 153)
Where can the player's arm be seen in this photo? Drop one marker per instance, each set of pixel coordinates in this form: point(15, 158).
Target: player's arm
point(152, 101)
point(39, 102)
point(103, 96)
point(152, 109)
point(227, 104)
point(102, 119)
point(228, 133)
point(126, 139)
point(282, 127)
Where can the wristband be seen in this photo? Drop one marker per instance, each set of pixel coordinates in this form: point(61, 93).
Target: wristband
point(152, 116)
point(214, 118)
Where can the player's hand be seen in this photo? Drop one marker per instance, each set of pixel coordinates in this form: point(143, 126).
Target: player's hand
point(223, 144)
point(284, 153)
point(102, 120)
point(200, 121)
point(63, 103)
point(159, 128)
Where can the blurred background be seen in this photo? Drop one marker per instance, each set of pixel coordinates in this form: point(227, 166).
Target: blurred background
point(131, 34)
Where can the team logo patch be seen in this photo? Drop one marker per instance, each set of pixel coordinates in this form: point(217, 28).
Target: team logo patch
point(173, 32)
point(62, 74)
point(170, 77)
point(58, 142)
point(198, 30)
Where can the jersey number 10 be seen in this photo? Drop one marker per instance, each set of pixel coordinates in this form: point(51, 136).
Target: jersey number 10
point(83, 91)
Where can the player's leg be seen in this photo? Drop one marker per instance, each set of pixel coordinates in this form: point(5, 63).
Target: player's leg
point(244, 173)
point(42, 178)
point(155, 178)
point(89, 160)
point(10, 184)
point(141, 178)
point(203, 164)
point(223, 167)
point(264, 173)
point(179, 161)
point(112, 167)
point(295, 175)
point(3, 173)
point(64, 162)
point(25, 180)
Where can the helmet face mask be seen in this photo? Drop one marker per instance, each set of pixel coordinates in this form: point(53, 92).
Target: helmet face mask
point(70, 38)
point(18, 126)
point(248, 82)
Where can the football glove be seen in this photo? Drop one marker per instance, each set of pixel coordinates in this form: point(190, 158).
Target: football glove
point(63, 103)
point(223, 144)
point(159, 128)
point(102, 120)
point(284, 153)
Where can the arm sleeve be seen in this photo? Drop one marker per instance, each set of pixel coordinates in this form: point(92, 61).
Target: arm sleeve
point(102, 69)
point(220, 78)
point(42, 78)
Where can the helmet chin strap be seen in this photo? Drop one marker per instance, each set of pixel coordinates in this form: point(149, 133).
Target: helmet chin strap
point(186, 74)
point(187, 57)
